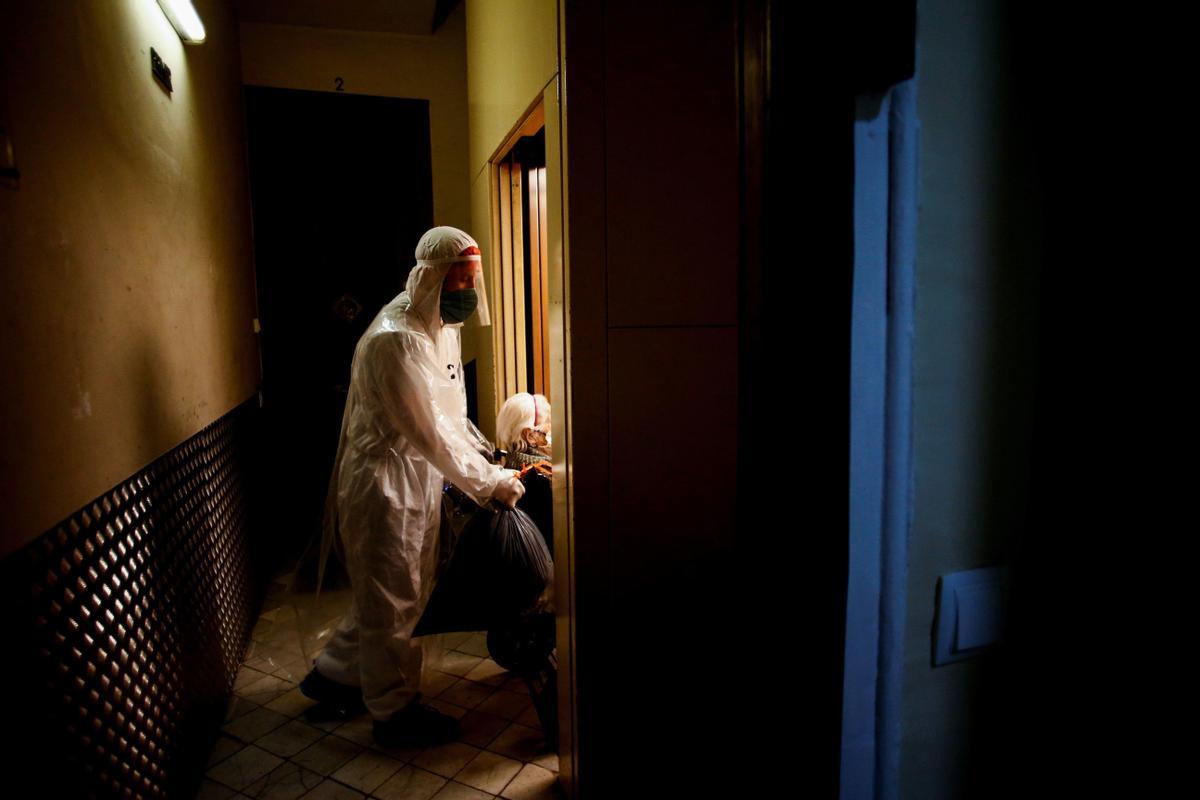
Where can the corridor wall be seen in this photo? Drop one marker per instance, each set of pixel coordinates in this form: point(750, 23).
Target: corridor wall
point(128, 419)
point(129, 287)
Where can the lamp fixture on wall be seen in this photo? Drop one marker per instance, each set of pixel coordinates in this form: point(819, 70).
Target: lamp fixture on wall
point(183, 16)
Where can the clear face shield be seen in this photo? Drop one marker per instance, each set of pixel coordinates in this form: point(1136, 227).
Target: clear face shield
point(464, 274)
point(538, 436)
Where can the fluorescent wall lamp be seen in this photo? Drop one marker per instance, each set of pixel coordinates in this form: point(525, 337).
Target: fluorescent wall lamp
point(183, 16)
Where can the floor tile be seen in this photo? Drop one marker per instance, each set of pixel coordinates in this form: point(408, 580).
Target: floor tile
point(237, 706)
point(293, 703)
point(289, 739)
point(516, 684)
point(479, 728)
point(293, 670)
point(277, 658)
point(489, 772)
point(437, 682)
point(367, 770)
point(297, 662)
point(265, 690)
point(520, 742)
point(279, 653)
point(446, 759)
point(286, 782)
point(467, 693)
point(327, 755)
point(244, 767)
point(402, 754)
point(410, 783)
point(332, 790)
point(284, 635)
point(260, 663)
point(211, 790)
point(489, 672)
point(458, 712)
point(257, 723)
point(247, 676)
point(459, 664)
point(533, 783)
point(547, 761)
point(458, 791)
point(262, 631)
point(529, 716)
point(223, 748)
point(451, 641)
point(361, 729)
point(319, 717)
point(475, 645)
point(509, 705)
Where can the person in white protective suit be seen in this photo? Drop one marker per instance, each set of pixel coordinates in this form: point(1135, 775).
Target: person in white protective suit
point(404, 430)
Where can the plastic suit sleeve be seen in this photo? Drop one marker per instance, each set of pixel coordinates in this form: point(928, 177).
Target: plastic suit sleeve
point(406, 390)
point(481, 442)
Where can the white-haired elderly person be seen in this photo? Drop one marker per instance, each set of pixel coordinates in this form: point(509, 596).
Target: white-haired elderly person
point(523, 430)
point(523, 433)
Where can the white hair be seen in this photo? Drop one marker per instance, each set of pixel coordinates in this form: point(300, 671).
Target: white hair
point(519, 412)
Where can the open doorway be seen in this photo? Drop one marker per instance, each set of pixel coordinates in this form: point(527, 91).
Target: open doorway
point(520, 221)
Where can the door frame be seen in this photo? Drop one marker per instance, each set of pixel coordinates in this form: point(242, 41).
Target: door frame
point(546, 112)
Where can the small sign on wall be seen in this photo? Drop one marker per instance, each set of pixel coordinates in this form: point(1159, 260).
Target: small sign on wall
point(160, 71)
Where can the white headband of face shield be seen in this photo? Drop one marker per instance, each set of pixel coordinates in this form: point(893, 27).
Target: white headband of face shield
point(433, 262)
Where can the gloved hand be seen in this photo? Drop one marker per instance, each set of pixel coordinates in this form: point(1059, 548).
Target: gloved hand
point(509, 490)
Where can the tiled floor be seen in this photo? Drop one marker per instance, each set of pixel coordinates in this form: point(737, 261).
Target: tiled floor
point(268, 749)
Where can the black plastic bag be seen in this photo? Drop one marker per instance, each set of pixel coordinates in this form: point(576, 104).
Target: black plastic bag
point(538, 503)
point(499, 569)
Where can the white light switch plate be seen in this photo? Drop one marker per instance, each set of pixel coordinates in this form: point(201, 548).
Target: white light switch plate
point(970, 613)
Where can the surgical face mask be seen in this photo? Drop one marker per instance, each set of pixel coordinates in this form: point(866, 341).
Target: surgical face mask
point(458, 305)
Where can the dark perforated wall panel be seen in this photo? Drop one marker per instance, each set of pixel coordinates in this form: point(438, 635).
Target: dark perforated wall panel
point(131, 617)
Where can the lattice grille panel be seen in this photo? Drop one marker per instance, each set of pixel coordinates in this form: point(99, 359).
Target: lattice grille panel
point(141, 605)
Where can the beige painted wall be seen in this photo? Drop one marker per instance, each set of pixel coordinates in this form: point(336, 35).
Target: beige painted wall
point(512, 55)
point(127, 267)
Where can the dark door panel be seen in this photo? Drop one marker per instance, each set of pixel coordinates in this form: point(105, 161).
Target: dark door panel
point(342, 190)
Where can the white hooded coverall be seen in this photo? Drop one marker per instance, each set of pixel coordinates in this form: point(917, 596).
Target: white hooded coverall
point(403, 431)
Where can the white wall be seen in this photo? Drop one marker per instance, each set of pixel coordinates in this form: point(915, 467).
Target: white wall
point(971, 383)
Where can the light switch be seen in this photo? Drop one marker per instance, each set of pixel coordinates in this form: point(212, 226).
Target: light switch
point(970, 613)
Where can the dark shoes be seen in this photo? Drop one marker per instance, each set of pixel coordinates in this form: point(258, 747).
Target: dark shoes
point(334, 700)
point(417, 725)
